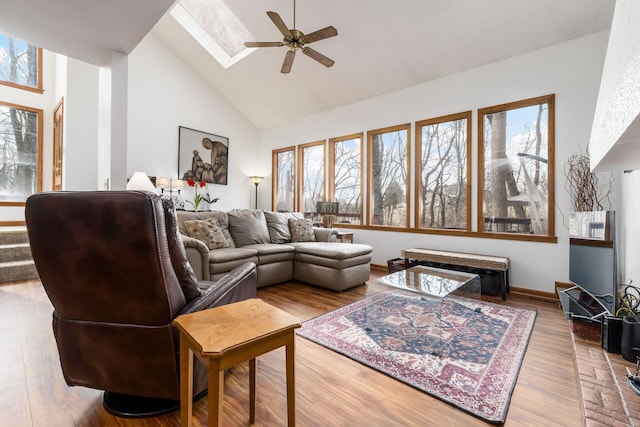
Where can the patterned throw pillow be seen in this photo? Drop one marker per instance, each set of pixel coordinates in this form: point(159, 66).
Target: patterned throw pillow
point(301, 230)
point(208, 231)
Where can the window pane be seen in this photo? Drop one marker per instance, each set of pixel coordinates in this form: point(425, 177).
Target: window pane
point(516, 170)
point(347, 190)
point(19, 148)
point(312, 160)
point(443, 187)
point(19, 62)
point(388, 153)
point(284, 193)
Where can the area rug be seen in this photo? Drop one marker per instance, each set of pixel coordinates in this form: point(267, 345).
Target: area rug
point(478, 346)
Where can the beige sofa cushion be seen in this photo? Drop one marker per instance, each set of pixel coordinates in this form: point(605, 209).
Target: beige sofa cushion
point(248, 227)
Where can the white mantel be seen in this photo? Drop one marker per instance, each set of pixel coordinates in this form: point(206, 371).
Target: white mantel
point(615, 135)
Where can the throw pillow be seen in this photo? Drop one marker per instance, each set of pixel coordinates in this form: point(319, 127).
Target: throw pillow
point(301, 230)
point(208, 231)
point(278, 224)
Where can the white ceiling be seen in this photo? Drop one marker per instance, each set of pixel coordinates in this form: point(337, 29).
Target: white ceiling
point(381, 45)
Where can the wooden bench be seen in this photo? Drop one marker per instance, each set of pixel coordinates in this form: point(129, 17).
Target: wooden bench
point(469, 262)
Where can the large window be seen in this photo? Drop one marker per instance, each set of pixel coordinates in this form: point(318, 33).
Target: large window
point(20, 153)
point(388, 154)
point(345, 170)
point(443, 186)
point(283, 183)
point(515, 167)
point(20, 64)
point(311, 176)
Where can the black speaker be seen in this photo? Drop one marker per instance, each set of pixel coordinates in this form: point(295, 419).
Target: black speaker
point(630, 347)
point(612, 334)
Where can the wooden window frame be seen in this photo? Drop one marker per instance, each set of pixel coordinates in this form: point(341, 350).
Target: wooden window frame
point(274, 174)
point(39, 160)
point(550, 236)
point(369, 214)
point(37, 89)
point(466, 115)
point(331, 169)
point(300, 180)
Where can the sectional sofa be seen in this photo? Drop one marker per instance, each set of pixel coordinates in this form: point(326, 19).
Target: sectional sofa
point(284, 246)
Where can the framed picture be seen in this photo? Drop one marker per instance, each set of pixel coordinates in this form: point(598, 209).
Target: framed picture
point(202, 156)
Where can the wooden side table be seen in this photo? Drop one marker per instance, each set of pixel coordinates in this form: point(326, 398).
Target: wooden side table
point(223, 337)
point(345, 237)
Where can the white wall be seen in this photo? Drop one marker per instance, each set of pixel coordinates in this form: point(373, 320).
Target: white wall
point(571, 70)
point(630, 228)
point(81, 127)
point(165, 94)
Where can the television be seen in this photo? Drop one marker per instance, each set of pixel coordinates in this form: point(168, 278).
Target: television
point(592, 264)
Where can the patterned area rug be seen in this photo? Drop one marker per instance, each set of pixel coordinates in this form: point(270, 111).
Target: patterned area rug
point(470, 359)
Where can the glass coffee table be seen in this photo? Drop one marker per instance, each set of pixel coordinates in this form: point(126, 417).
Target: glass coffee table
point(418, 317)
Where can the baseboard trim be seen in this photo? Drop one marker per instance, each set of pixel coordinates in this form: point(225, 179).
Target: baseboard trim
point(12, 223)
point(379, 267)
point(540, 295)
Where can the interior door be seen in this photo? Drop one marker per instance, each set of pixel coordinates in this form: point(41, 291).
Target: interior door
point(58, 116)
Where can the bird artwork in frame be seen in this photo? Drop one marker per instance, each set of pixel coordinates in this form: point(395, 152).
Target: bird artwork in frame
point(202, 156)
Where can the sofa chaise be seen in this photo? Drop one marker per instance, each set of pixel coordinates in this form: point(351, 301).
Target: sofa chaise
point(284, 246)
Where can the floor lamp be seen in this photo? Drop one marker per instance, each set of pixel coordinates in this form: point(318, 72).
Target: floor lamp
point(256, 180)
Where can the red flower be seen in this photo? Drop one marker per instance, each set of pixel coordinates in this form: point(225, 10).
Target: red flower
point(202, 183)
point(191, 182)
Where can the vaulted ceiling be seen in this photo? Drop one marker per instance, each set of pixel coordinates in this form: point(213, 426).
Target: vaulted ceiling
point(381, 45)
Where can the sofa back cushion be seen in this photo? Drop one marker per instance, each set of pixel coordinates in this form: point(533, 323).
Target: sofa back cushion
point(278, 225)
point(248, 227)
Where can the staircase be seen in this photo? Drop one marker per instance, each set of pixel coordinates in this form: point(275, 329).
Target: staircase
point(16, 263)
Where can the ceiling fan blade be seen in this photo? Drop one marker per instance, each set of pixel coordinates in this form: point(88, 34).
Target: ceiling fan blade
point(288, 61)
point(327, 62)
point(263, 44)
point(279, 23)
point(324, 33)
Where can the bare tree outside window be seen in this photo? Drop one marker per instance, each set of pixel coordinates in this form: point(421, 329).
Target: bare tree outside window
point(20, 152)
point(516, 167)
point(283, 186)
point(442, 166)
point(20, 64)
point(345, 170)
point(388, 173)
point(311, 185)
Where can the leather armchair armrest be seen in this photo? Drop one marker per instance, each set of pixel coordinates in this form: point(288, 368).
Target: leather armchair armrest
point(198, 256)
point(326, 234)
point(237, 285)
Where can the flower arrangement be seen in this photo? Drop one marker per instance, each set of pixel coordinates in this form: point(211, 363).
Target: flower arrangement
point(200, 197)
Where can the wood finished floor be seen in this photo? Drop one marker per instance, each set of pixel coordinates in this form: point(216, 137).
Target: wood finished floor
point(331, 390)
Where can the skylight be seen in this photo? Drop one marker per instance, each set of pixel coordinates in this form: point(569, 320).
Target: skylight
point(212, 24)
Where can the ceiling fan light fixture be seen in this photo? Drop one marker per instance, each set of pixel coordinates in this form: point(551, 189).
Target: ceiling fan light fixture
point(295, 39)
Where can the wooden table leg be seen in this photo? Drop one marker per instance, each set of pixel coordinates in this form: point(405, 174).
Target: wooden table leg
point(186, 382)
point(291, 383)
point(216, 393)
point(252, 391)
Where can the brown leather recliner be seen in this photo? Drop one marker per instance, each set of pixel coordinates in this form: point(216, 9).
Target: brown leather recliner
point(114, 267)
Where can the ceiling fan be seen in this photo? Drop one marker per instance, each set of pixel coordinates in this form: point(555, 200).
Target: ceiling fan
point(295, 39)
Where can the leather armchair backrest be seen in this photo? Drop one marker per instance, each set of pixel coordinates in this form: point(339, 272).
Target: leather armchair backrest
point(104, 256)
point(184, 271)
